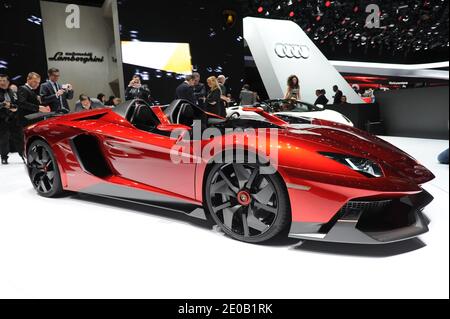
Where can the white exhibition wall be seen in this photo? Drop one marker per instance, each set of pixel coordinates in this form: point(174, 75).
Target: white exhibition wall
point(95, 36)
point(281, 48)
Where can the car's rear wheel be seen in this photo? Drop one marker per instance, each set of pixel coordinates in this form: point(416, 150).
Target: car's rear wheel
point(235, 116)
point(247, 205)
point(43, 170)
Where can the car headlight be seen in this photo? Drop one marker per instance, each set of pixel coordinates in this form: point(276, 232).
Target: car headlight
point(364, 166)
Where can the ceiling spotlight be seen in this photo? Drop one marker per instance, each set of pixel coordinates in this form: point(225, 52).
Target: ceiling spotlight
point(342, 24)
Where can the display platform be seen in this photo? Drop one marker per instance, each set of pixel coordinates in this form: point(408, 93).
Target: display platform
point(87, 247)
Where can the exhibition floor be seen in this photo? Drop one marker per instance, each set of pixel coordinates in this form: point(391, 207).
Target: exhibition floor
point(86, 247)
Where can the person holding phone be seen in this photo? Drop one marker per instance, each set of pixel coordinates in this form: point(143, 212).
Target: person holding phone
point(56, 95)
point(137, 90)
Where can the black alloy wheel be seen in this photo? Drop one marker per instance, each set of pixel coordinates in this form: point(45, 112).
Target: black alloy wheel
point(249, 206)
point(43, 170)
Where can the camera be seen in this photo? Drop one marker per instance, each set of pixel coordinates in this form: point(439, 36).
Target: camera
point(4, 103)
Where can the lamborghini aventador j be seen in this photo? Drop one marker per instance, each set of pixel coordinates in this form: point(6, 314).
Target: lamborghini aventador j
point(332, 182)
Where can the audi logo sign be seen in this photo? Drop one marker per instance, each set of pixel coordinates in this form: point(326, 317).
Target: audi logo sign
point(292, 51)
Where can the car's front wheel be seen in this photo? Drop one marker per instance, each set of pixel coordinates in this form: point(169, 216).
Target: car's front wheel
point(43, 170)
point(248, 205)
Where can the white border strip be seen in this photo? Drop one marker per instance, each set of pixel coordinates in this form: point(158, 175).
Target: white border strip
point(426, 71)
point(389, 66)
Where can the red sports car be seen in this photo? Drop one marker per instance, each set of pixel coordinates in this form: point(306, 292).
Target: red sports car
point(332, 182)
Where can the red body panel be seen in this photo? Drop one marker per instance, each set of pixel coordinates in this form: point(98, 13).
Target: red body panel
point(318, 186)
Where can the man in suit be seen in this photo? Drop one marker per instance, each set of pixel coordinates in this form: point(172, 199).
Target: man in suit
point(28, 100)
point(185, 91)
point(222, 79)
point(247, 97)
point(199, 90)
point(344, 100)
point(321, 98)
point(56, 95)
point(338, 95)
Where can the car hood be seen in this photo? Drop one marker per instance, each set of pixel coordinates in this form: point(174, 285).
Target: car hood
point(342, 139)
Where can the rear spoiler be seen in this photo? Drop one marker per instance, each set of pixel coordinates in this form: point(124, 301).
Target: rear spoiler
point(272, 118)
point(39, 117)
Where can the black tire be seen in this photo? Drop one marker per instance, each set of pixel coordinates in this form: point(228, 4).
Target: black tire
point(235, 116)
point(263, 216)
point(43, 170)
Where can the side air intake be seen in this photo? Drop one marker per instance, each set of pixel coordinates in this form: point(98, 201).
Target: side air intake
point(90, 156)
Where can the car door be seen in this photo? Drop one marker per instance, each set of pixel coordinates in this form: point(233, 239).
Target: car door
point(145, 157)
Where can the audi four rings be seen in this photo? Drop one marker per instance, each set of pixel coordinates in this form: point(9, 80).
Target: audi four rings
point(292, 51)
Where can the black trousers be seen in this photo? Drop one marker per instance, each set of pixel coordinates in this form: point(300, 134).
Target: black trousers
point(16, 141)
point(4, 143)
point(11, 140)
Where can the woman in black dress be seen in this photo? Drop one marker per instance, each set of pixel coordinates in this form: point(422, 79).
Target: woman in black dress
point(213, 100)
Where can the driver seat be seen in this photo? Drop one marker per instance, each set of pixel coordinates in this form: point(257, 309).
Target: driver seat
point(144, 119)
point(185, 115)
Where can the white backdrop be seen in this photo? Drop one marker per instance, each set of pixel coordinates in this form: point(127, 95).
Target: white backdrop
point(281, 48)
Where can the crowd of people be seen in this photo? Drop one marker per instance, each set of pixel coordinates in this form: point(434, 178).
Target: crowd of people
point(294, 92)
point(18, 102)
point(33, 97)
point(338, 99)
point(51, 96)
point(212, 97)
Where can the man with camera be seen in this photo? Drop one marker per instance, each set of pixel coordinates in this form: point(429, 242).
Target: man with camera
point(8, 115)
point(56, 95)
point(137, 90)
